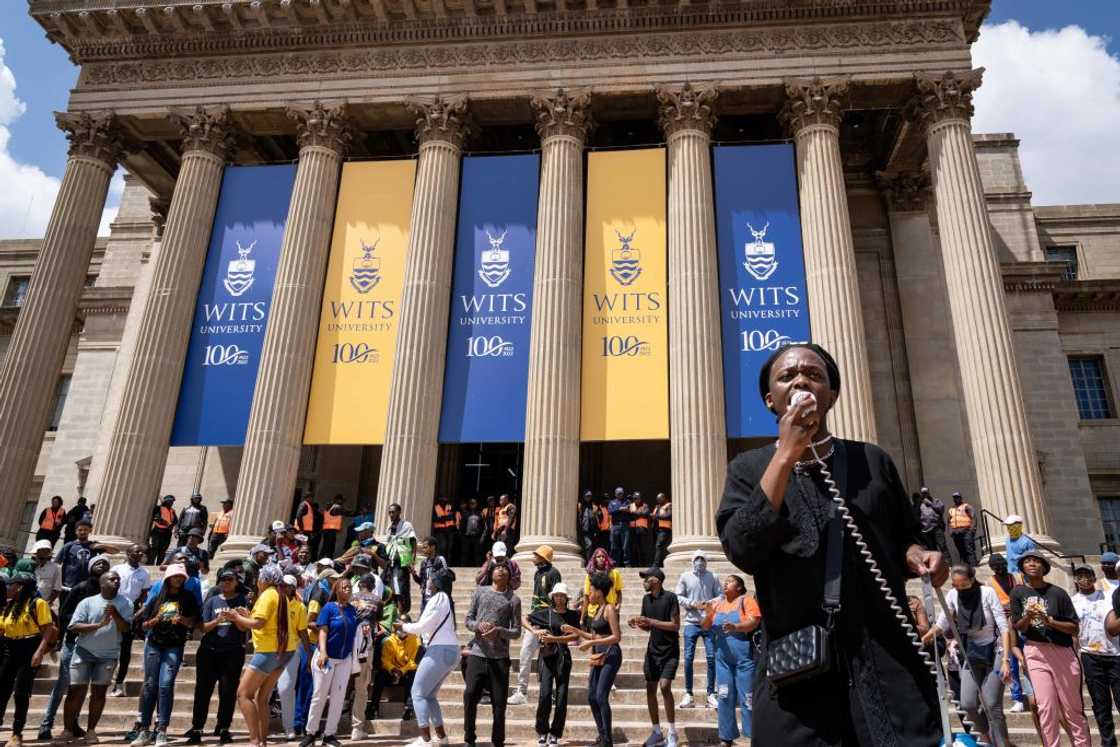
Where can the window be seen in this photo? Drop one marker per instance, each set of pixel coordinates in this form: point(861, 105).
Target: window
point(60, 393)
point(1110, 517)
point(1067, 254)
point(16, 291)
point(1090, 388)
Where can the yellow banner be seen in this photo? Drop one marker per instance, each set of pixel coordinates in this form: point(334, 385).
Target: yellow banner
point(361, 305)
point(625, 324)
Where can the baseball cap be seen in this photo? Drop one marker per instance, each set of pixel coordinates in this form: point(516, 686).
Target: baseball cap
point(260, 548)
point(196, 532)
point(1013, 519)
point(1085, 569)
point(327, 562)
point(176, 569)
point(290, 580)
point(227, 500)
point(227, 574)
point(300, 538)
point(278, 526)
point(365, 526)
point(46, 545)
point(168, 499)
point(361, 560)
point(1109, 558)
point(499, 550)
point(652, 572)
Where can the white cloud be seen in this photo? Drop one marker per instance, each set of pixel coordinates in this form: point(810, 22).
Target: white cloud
point(28, 195)
point(1059, 92)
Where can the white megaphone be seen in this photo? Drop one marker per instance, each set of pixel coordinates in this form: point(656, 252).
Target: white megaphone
point(799, 396)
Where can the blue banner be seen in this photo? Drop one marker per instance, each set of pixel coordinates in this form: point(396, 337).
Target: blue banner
point(486, 378)
point(231, 312)
point(763, 303)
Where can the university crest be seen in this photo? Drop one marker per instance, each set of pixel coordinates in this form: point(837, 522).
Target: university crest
point(366, 272)
point(494, 263)
point(761, 256)
point(239, 273)
point(625, 267)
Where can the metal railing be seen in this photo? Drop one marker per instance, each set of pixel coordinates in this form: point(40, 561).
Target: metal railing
point(984, 543)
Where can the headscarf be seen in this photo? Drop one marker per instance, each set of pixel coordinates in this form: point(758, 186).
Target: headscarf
point(273, 575)
point(830, 367)
point(608, 566)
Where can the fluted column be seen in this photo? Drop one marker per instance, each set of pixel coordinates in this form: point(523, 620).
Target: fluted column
point(1002, 447)
point(551, 471)
point(137, 452)
point(29, 375)
point(697, 429)
point(274, 436)
point(408, 459)
point(812, 112)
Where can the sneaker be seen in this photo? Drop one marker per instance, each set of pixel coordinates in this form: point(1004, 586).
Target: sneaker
point(713, 701)
point(419, 742)
point(67, 736)
point(44, 735)
point(291, 737)
point(14, 741)
point(91, 737)
point(225, 737)
point(542, 740)
point(686, 701)
point(194, 736)
point(1017, 707)
point(553, 741)
point(518, 698)
point(143, 738)
point(161, 738)
point(408, 714)
point(359, 732)
point(308, 740)
point(331, 741)
point(656, 739)
point(130, 735)
point(117, 691)
point(671, 740)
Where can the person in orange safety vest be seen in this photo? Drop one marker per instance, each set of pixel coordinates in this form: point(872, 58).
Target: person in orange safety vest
point(164, 522)
point(219, 526)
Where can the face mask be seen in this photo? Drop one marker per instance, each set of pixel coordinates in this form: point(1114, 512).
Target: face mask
point(1015, 531)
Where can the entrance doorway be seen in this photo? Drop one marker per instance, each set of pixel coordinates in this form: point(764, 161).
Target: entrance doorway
point(632, 465)
point(478, 470)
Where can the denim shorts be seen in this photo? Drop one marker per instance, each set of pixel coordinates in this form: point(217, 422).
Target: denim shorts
point(90, 670)
point(269, 663)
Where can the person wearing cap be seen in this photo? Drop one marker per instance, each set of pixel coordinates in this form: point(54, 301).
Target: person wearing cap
point(167, 618)
point(27, 633)
point(193, 516)
point(554, 664)
point(931, 521)
point(367, 647)
point(220, 524)
point(90, 586)
point(661, 617)
point(772, 524)
point(48, 574)
point(51, 521)
point(193, 548)
point(1100, 652)
point(1109, 581)
point(73, 557)
point(1017, 543)
point(695, 588)
point(495, 619)
point(164, 521)
point(1045, 618)
point(544, 579)
point(99, 623)
point(962, 529)
point(732, 618)
point(221, 657)
point(619, 510)
point(498, 555)
point(288, 684)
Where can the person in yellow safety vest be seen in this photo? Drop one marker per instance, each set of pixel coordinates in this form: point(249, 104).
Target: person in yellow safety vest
point(51, 520)
point(663, 515)
point(309, 522)
point(332, 525)
point(164, 521)
point(220, 525)
point(443, 526)
point(962, 521)
point(640, 533)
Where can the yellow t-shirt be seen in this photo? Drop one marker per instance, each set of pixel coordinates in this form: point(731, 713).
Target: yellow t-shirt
point(266, 608)
point(36, 614)
point(612, 596)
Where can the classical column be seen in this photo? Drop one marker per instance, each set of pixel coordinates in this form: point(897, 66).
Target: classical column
point(812, 112)
point(137, 452)
point(551, 471)
point(274, 437)
point(697, 430)
point(29, 374)
point(1002, 448)
point(408, 459)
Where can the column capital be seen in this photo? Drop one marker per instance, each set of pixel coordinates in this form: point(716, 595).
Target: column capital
point(563, 114)
point(210, 130)
point(905, 191)
point(945, 96)
point(95, 135)
point(686, 108)
point(160, 207)
point(322, 125)
point(441, 120)
point(813, 101)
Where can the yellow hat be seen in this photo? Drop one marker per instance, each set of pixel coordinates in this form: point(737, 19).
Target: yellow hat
point(544, 552)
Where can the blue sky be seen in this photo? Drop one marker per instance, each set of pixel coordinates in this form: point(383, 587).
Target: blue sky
point(44, 76)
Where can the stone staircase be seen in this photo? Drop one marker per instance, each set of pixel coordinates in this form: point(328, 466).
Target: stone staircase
point(696, 726)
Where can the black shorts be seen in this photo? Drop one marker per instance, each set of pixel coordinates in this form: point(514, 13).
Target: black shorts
point(659, 668)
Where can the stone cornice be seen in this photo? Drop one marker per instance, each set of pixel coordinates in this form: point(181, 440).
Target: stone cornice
point(816, 101)
point(1088, 296)
point(944, 97)
point(206, 129)
point(686, 108)
point(94, 135)
point(563, 114)
point(322, 126)
point(100, 29)
point(1031, 277)
point(441, 121)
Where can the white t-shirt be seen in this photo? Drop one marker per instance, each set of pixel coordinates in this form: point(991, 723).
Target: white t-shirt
point(995, 621)
point(48, 577)
point(133, 580)
point(1091, 612)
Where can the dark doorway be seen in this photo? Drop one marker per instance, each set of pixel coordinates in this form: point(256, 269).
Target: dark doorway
point(478, 470)
point(632, 465)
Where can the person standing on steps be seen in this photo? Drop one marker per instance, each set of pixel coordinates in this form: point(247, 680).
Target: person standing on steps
point(640, 532)
point(1017, 543)
point(400, 549)
point(434, 561)
point(695, 589)
point(498, 556)
point(98, 623)
point(48, 574)
point(1100, 652)
point(555, 663)
point(73, 558)
point(495, 619)
point(220, 524)
point(331, 664)
point(1045, 618)
point(27, 633)
point(1109, 581)
point(436, 627)
point(602, 638)
point(135, 583)
point(962, 530)
point(660, 616)
point(472, 527)
point(193, 516)
point(164, 521)
point(663, 520)
point(51, 521)
point(732, 619)
point(443, 526)
point(289, 676)
point(931, 521)
point(220, 659)
point(600, 563)
point(619, 510)
point(544, 579)
point(1002, 583)
point(332, 525)
point(308, 520)
point(587, 522)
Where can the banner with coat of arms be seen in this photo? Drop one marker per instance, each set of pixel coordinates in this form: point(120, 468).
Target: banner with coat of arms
point(486, 376)
point(231, 313)
point(625, 364)
point(358, 321)
point(763, 303)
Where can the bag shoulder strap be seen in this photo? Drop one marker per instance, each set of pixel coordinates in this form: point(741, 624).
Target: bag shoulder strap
point(834, 538)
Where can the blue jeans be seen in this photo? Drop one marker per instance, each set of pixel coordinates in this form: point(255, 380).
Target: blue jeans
point(305, 686)
point(61, 685)
point(286, 691)
point(599, 692)
point(734, 685)
point(437, 663)
point(1016, 687)
point(620, 544)
point(161, 667)
point(691, 633)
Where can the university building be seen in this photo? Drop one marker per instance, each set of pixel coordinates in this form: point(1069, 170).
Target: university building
point(403, 155)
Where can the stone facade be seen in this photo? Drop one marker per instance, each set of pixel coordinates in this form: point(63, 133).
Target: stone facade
point(871, 94)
